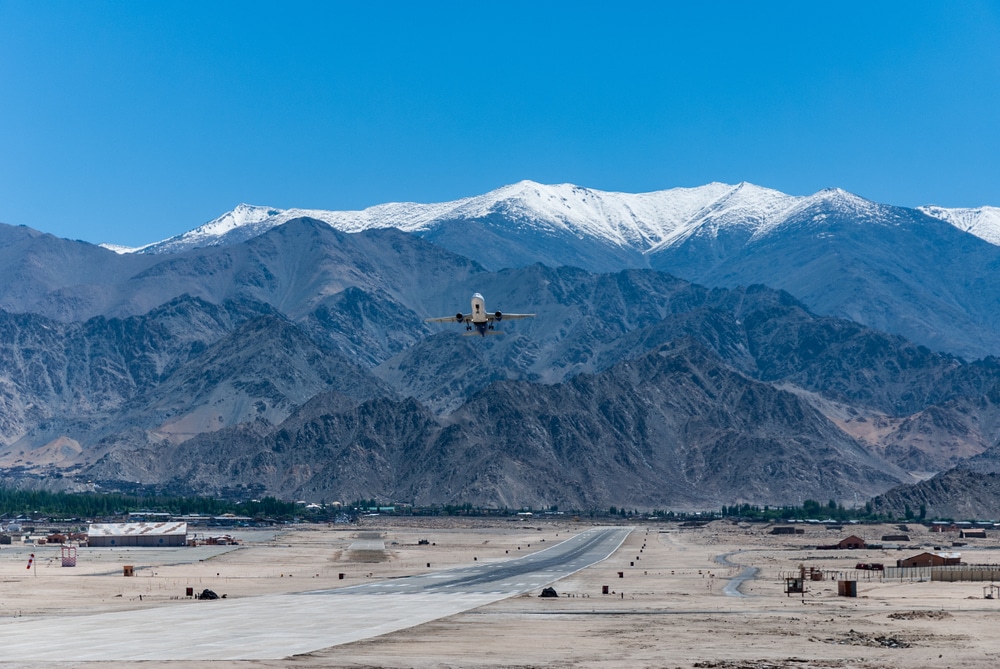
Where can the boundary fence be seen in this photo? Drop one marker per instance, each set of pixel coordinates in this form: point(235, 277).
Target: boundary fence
point(958, 572)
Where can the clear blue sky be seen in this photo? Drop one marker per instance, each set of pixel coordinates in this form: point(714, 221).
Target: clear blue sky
point(132, 121)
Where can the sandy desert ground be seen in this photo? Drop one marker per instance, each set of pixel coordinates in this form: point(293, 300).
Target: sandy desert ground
point(670, 607)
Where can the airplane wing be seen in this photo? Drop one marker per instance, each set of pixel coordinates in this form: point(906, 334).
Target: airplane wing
point(509, 317)
point(457, 318)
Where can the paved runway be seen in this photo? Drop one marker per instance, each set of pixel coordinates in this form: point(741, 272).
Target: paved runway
point(273, 627)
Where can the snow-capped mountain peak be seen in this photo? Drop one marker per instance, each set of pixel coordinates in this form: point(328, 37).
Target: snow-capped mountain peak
point(625, 219)
point(845, 200)
point(752, 209)
point(243, 214)
point(638, 222)
point(818, 207)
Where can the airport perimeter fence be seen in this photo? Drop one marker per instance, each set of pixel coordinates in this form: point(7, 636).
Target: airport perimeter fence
point(958, 572)
point(831, 575)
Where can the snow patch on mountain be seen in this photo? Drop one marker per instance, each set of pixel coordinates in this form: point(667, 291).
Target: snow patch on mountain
point(745, 206)
point(983, 222)
point(119, 249)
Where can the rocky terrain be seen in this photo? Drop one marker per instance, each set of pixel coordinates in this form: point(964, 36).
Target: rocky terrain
point(295, 362)
point(923, 273)
point(674, 427)
point(957, 494)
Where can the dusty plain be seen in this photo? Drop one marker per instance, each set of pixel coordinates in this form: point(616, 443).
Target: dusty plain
point(670, 607)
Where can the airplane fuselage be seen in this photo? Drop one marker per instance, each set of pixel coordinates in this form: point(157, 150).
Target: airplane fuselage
point(480, 320)
point(478, 309)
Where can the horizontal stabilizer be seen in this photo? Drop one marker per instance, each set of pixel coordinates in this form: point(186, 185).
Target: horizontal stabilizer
point(476, 334)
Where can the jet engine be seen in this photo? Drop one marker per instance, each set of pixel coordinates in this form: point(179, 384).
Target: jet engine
point(459, 317)
point(498, 316)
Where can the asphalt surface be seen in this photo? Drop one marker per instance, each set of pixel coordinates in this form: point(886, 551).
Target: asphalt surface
point(732, 588)
point(277, 626)
point(514, 576)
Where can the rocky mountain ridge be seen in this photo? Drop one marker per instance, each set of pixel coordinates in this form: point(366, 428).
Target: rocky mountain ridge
point(295, 361)
point(922, 273)
point(637, 433)
point(302, 368)
point(957, 494)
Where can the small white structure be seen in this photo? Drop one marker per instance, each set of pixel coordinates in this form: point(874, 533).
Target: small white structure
point(137, 534)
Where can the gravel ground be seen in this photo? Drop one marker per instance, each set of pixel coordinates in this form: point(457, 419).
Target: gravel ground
point(667, 603)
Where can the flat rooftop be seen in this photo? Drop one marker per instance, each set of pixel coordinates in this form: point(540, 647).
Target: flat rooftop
point(136, 529)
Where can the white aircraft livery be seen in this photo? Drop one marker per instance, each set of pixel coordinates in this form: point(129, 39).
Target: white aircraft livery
point(479, 318)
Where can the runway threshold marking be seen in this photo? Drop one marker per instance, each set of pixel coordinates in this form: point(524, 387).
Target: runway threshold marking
point(278, 626)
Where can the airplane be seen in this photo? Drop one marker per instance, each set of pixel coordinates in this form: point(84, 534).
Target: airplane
point(479, 318)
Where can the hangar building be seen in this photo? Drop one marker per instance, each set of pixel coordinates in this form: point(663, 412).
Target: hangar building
point(137, 534)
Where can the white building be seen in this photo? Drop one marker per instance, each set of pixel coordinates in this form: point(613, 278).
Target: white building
point(137, 534)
